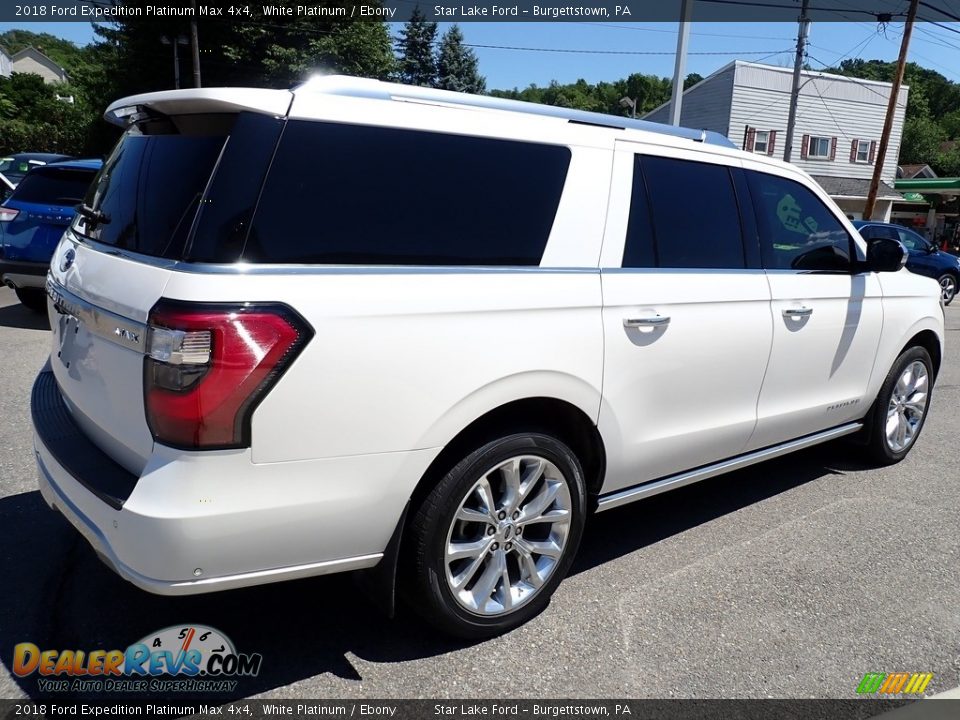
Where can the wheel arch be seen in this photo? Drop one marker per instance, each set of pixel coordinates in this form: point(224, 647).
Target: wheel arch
point(929, 341)
point(560, 418)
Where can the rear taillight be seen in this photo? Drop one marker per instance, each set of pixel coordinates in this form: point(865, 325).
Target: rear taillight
point(208, 366)
point(8, 214)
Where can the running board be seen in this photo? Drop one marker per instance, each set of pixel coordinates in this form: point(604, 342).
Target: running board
point(655, 487)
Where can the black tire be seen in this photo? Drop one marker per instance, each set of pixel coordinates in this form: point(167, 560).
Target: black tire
point(948, 281)
point(32, 299)
point(424, 580)
point(878, 448)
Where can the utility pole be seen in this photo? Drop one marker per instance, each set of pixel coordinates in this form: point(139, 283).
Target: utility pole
point(195, 45)
point(802, 34)
point(891, 110)
point(680, 65)
point(176, 42)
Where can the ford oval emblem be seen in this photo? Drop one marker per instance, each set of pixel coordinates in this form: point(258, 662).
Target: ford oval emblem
point(67, 262)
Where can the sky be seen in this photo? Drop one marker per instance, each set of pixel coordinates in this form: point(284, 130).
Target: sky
point(612, 47)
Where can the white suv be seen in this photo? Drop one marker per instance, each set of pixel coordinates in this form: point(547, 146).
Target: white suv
point(366, 326)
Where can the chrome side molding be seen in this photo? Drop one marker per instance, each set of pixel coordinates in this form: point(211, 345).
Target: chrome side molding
point(671, 482)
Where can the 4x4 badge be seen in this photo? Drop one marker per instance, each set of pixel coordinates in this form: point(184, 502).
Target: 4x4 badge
point(67, 261)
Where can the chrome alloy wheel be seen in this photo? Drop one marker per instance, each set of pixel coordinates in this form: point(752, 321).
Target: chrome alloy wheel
point(908, 403)
point(948, 288)
point(508, 535)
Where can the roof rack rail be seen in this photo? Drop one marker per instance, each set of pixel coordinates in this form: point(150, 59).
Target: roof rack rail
point(377, 89)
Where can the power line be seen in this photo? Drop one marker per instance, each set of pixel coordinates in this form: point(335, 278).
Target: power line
point(674, 32)
point(768, 53)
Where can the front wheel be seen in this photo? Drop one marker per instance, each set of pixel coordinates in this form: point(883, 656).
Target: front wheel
point(901, 407)
point(948, 288)
point(492, 541)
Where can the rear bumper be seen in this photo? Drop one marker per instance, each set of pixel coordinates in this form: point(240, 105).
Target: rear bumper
point(23, 274)
point(236, 522)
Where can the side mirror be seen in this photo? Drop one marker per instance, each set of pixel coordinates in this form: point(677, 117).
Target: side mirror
point(885, 255)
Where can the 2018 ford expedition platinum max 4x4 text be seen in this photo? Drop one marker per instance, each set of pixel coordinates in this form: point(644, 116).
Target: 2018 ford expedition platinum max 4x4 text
point(365, 326)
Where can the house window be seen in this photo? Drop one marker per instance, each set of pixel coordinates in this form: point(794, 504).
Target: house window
point(761, 142)
point(819, 147)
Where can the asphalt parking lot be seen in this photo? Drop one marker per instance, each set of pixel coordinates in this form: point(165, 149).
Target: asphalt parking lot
point(789, 579)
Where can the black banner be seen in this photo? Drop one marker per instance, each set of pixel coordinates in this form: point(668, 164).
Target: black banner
point(475, 709)
point(941, 11)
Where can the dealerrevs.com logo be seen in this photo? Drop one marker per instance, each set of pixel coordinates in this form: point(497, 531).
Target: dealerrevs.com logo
point(180, 658)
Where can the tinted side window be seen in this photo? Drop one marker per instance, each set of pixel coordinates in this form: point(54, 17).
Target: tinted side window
point(874, 232)
point(694, 216)
point(350, 194)
point(150, 186)
point(797, 230)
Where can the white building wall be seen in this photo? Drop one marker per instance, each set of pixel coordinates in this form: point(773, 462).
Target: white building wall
point(6, 66)
point(28, 62)
point(846, 109)
point(705, 106)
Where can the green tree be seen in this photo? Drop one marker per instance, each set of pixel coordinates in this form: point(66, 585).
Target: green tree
point(691, 80)
point(948, 162)
point(921, 142)
point(457, 67)
point(418, 65)
point(362, 49)
point(32, 118)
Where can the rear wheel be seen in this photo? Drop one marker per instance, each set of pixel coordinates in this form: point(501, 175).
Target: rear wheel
point(901, 407)
point(948, 288)
point(32, 299)
point(492, 541)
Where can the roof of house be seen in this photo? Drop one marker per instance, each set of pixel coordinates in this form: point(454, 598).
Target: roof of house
point(854, 188)
point(39, 55)
point(912, 170)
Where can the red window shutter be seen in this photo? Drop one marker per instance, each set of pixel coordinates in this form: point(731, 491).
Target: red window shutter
point(805, 147)
point(749, 137)
point(853, 152)
point(833, 149)
point(873, 150)
point(771, 142)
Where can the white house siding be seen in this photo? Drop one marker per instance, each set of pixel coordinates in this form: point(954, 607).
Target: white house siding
point(33, 61)
point(6, 66)
point(828, 106)
point(706, 105)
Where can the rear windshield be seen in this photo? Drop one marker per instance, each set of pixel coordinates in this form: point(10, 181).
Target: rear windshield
point(15, 169)
point(55, 186)
point(149, 189)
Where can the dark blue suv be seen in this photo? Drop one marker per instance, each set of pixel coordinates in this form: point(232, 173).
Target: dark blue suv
point(32, 220)
point(924, 258)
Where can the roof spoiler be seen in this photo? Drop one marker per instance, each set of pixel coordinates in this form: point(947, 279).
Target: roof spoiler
point(199, 101)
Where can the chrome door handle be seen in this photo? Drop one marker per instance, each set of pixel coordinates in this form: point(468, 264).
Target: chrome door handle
point(798, 312)
point(656, 321)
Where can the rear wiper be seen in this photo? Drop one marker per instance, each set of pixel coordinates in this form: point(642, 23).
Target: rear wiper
point(97, 216)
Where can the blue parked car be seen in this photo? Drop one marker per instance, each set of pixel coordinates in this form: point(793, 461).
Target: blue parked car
point(32, 220)
point(924, 258)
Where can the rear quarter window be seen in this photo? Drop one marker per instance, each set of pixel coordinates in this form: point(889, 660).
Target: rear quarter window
point(55, 186)
point(347, 194)
point(151, 185)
